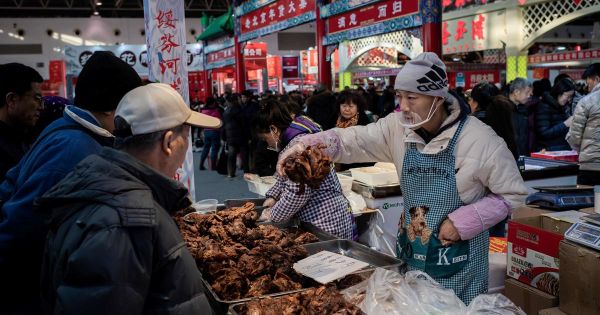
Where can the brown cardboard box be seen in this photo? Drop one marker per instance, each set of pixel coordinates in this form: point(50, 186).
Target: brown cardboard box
point(552, 311)
point(560, 222)
point(579, 279)
point(529, 299)
point(528, 211)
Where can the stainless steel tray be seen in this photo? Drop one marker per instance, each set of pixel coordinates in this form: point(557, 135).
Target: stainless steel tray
point(360, 252)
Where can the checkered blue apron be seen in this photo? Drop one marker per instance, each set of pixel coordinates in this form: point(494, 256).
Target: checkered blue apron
point(429, 181)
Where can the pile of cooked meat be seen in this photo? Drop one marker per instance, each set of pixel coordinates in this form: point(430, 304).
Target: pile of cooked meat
point(308, 168)
point(322, 300)
point(241, 259)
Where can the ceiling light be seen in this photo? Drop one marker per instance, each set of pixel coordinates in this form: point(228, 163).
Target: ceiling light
point(98, 3)
point(455, 59)
point(96, 13)
point(559, 48)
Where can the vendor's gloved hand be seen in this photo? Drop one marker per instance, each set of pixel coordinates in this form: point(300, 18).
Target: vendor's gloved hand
point(269, 202)
point(448, 233)
point(251, 177)
point(295, 149)
point(265, 215)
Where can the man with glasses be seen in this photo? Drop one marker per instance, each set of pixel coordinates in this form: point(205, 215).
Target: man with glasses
point(20, 107)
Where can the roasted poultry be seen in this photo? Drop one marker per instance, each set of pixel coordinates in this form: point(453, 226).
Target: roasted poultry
point(308, 168)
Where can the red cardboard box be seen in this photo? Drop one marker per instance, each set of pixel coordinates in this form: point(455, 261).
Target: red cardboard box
point(569, 156)
point(533, 254)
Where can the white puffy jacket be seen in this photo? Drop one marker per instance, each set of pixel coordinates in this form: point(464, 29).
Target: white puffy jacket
point(484, 163)
point(584, 135)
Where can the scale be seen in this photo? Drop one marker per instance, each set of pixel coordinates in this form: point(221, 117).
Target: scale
point(562, 197)
point(586, 233)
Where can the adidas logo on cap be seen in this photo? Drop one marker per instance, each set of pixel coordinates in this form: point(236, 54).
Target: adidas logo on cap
point(433, 80)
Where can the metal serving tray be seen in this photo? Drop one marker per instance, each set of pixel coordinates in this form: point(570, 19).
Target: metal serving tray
point(360, 252)
point(343, 247)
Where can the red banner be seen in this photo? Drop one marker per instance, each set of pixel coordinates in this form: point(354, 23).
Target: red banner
point(274, 66)
point(289, 66)
point(371, 14)
point(471, 78)
point(565, 56)
point(274, 13)
point(220, 55)
point(255, 51)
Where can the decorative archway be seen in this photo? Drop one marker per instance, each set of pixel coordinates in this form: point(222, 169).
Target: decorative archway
point(543, 17)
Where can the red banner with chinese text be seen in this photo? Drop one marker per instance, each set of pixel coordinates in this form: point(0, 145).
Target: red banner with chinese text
point(274, 13)
point(220, 55)
point(371, 14)
point(565, 56)
point(274, 66)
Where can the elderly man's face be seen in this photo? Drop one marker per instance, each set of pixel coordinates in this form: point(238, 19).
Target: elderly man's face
point(178, 146)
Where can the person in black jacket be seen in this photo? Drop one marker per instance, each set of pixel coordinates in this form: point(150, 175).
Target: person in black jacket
point(481, 97)
point(523, 122)
point(552, 122)
point(236, 134)
point(112, 246)
point(321, 108)
point(20, 107)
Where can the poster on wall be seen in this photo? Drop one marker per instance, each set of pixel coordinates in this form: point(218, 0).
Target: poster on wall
point(167, 61)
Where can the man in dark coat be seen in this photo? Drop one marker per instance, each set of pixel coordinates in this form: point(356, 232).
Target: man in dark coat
point(113, 247)
point(321, 107)
point(20, 107)
point(82, 131)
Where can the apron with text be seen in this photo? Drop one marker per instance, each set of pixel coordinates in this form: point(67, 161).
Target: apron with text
point(428, 184)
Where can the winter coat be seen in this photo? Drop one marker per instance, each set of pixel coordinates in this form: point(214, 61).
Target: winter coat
point(549, 125)
point(523, 122)
point(483, 162)
point(234, 125)
point(584, 135)
point(113, 247)
point(213, 112)
point(322, 109)
point(22, 232)
point(14, 143)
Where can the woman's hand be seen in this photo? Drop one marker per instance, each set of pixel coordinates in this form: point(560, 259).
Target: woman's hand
point(295, 149)
point(448, 233)
point(269, 202)
point(251, 177)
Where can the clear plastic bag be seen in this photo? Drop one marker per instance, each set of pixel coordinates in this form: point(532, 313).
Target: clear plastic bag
point(493, 304)
point(376, 236)
point(388, 292)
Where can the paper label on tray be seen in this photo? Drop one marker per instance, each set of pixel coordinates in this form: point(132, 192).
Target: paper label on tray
point(326, 266)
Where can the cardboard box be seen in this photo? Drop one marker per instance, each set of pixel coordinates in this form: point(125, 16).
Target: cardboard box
point(533, 254)
point(528, 211)
point(529, 299)
point(580, 279)
point(552, 311)
point(560, 222)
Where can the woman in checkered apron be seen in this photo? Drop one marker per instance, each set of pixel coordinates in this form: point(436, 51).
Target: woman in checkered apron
point(325, 207)
point(458, 177)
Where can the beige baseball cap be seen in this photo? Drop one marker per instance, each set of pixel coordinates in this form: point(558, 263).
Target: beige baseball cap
point(157, 106)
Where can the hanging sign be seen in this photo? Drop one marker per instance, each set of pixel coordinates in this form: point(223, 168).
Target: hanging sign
point(167, 61)
point(289, 66)
point(342, 6)
point(220, 58)
point(474, 33)
point(275, 17)
point(565, 56)
point(377, 18)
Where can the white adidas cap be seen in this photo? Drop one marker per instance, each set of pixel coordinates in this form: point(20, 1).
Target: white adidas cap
point(157, 106)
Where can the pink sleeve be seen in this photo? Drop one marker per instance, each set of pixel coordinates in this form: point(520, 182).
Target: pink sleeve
point(470, 220)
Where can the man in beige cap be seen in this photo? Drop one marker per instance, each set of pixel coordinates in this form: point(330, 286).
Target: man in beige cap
point(113, 247)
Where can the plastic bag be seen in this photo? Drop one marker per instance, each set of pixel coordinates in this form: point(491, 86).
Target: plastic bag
point(377, 238)
point(416, 293)
point(357, 202)
point(493, 304)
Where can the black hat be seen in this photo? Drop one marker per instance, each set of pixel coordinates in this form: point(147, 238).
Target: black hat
point(103, 81)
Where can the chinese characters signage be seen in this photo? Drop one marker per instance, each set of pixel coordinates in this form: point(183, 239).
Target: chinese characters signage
point(474, 33)
point(565, 56)
point(275, 17)
point(468, 79)
point(220, 58)
point(341, 6)
point(134, 55)
point(374, 13)
point(289, 66)
point(167, 60)
point(453, 5)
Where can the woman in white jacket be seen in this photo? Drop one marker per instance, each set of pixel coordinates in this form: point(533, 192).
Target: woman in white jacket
point(458, 177)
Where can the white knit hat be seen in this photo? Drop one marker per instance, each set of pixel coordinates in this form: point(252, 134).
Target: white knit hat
point(426, 74)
